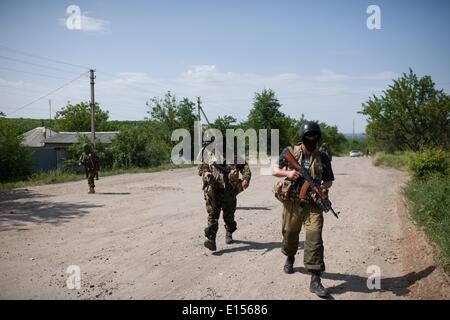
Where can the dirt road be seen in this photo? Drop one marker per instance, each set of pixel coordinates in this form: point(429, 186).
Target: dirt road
point(141, 236)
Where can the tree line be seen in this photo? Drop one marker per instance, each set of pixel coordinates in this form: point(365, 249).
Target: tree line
point(409, 115)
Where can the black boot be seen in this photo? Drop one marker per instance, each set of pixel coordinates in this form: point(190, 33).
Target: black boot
point(316, 285)
point(228, 238)
point(289, 265)
point(210, 243)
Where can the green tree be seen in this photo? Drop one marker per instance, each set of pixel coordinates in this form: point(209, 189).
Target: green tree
point(224, 123)
point(266, 114)
point(77, 118)
point(104, 153)
point(15, 159)
point(410, 115)
point(140, 146)
point(172, 114)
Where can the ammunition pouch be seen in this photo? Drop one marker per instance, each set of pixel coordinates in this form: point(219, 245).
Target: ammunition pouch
point(282, 190)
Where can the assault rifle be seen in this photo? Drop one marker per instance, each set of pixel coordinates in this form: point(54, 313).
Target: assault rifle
point(309, 188)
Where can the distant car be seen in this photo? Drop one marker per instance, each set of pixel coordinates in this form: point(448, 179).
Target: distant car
point(356, 153)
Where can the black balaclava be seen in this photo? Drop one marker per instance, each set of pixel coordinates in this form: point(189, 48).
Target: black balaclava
point(310, 145)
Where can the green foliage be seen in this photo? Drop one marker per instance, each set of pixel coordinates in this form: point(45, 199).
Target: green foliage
point(224, 123)
point(15, 159)
point(171, 114)
point(399, 160)
point(330, 135)
point(77, 118)
point(104, 154)
point(431, 208)
point(23, 125)
point(140, 147)
point(410, 115)
point(430, 161)
point(266, 114)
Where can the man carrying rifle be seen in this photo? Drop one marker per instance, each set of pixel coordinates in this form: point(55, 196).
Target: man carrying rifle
point(221, 185)
point(305, 206)
point(91, 165)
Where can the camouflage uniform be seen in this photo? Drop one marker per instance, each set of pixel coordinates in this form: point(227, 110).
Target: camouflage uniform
point(325, 149)
point(294, 216)
point(221, 194)
point(91, 163)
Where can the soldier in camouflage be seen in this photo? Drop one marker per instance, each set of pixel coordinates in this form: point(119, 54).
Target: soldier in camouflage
point(296, 214)
point(90, 161)
point(222, 184)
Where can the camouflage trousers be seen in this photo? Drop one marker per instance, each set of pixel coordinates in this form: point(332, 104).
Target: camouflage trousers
point(293, 218)
point(217, 200)
point(90, 177)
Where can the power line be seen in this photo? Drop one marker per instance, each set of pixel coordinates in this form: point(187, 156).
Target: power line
point(43, 58)
point(33, 73)
point(37, 64)
point(44, 96)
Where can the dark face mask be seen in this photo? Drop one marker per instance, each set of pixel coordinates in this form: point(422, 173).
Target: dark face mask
point(310, 145)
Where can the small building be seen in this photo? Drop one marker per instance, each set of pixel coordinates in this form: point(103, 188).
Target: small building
point(44, 159)
point(50, 147)
point(62, 140)
point(36, 137)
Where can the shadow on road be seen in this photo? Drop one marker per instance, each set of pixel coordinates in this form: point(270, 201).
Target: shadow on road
point(254, 208)
point(353, 283)
point(18, 207)
point(250, 245)
point(114, 193)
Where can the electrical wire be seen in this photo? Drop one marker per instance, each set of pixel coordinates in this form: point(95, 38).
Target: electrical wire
point(37, 65)
point(44, 96)
point(43, 58)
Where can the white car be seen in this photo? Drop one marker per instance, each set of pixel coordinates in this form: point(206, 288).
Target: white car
point(356, 153)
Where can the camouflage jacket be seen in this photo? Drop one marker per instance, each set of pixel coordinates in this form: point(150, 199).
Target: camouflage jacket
point(232, 177)
point(90, 161)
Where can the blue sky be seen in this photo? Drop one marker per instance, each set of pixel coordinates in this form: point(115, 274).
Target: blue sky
point(318, 56)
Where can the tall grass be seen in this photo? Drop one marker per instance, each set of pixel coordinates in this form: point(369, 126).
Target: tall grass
point(430, 207)
point(399, 160)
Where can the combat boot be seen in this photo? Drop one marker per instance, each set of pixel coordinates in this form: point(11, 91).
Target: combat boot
point(316, 285)
point(289, 265)
point(91, 190)
point(228, 238)
point(210, 243)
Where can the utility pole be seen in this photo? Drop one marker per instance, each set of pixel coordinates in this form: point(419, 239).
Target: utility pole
point(50, 115)
point(353, 136)
point(92, 76)
point(199, 119)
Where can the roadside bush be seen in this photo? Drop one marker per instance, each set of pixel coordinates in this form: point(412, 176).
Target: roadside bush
point(15, 159)
point(431, 208)
point(399, 160)
point(429, 161)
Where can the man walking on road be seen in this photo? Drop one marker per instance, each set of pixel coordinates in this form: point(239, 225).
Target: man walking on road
point(221, 185)
point(91, 164)
point(297, 213)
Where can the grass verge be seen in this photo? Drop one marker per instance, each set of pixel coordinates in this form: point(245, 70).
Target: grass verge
point(430, 208)
point(52, 177)
point(398, 160)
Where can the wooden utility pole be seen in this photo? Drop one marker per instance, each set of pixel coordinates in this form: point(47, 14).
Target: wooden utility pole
point(50, 115)
point(92, 76)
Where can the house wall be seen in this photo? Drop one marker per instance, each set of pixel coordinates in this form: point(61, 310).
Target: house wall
point(44, 159)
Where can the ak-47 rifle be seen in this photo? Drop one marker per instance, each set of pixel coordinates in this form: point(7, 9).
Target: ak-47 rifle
point(310, 188)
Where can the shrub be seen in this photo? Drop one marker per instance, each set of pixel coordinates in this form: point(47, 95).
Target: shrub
point(429, 161)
